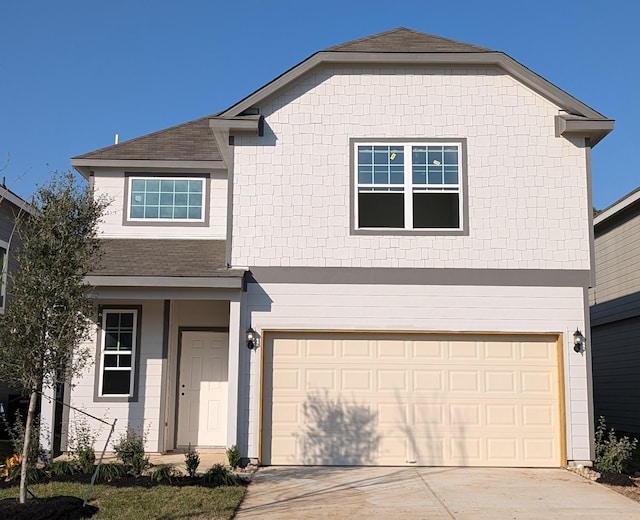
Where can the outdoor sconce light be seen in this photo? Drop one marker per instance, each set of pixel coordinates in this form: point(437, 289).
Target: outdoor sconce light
point(252, 339)
point(578, 341)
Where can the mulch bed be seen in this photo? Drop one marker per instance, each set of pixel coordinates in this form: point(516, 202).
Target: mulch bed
point(53, 508)
point(126, 481)
point(623, 484)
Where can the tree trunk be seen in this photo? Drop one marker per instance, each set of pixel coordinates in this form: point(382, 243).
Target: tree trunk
point(27, 442)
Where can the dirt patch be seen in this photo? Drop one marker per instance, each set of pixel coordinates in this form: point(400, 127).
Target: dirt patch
point(53, 508)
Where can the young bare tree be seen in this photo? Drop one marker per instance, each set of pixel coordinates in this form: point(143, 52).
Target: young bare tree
point(48, 307)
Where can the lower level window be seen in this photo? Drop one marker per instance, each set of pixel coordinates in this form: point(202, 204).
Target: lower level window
point(118, 348)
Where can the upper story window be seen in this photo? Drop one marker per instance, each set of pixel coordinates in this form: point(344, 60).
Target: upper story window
point(170, 199)
point(409, 186)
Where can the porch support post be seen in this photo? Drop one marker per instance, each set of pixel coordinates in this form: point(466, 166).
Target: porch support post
point(234, 367)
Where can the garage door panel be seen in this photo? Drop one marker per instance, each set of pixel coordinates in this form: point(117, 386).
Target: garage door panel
point(464, 381)
point(357, 380)
point(537, 383)
point(502, 416)
point(320, 378)
point(411, 399)
point(464, 350)
point(465, 415)
point(500, 382)
point(431, 381)
point(429, 414)
point(503, 449)
point(392, 380)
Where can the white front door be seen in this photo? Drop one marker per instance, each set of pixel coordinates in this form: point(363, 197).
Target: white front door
point(202, 389)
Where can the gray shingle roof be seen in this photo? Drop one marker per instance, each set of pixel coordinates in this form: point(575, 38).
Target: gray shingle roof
point(164, 257)
point(192, 141)
point(405, 40)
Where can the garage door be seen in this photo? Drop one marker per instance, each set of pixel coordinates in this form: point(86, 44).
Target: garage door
point(347, 399)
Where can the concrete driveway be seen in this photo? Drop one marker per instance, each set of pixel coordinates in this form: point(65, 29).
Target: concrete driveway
point(433, 493)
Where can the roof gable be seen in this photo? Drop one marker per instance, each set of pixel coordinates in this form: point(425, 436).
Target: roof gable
point(194, 140)
point(402, 39)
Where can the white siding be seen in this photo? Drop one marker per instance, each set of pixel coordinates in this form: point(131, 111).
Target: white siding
point(556, 310)
point(112, 185)
point(527, 187)
point(144, 414)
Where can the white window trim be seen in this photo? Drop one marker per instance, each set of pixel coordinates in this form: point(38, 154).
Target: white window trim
point(134, 349)
point(202, 180)
point(408, 186)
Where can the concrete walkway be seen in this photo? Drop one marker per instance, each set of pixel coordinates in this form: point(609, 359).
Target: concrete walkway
point(430, 493)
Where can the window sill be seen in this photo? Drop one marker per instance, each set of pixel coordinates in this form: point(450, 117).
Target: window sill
point(410, 232)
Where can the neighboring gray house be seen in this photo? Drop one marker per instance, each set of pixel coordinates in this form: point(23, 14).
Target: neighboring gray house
point(12, 207)
point(380, 257)
point(615, 314)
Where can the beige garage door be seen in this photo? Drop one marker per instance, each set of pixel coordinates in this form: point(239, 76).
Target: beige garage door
point(347, 399)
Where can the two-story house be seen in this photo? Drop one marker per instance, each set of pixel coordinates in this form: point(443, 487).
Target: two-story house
point(379, 257)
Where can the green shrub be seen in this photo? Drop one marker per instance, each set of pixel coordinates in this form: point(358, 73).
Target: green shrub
point(34, 474)
point(111, 471)
point(81, 441)
point(218, 475)
point(86, 460)
point(60, 468)
point(191, 461)
point(130, 450)
point(612, 454)
point(162, 472)
point(233, 454)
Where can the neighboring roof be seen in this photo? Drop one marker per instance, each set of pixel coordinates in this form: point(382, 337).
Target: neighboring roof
point(16, 200)
point(402, 39)
point(624, 205)
point(191, 141)
point(164, 257)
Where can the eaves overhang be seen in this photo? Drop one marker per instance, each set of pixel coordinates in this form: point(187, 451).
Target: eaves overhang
point(559, 97)
point(253, 124)
point(596, 129)
point(86, 167)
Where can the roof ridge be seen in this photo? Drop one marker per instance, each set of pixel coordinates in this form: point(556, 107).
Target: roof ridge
point(378, 36)
point(368, 37)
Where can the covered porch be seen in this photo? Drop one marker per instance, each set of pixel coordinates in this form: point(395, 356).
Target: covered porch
point(167, 348)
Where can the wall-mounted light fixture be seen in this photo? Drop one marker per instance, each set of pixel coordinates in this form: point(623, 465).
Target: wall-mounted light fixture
point(578, 341)
point(253, 341)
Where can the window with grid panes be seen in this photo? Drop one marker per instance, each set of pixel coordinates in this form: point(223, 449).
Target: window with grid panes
point(408, 186)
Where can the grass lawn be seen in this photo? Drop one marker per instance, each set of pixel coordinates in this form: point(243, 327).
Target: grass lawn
point(137, 503)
